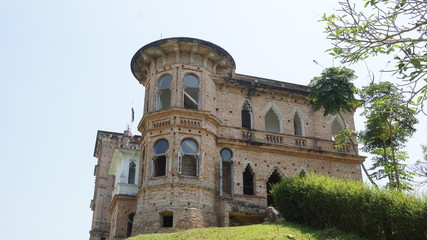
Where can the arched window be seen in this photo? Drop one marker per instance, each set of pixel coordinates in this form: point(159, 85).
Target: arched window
point(159, 160)
point(272, 122)
point(191, 92)
point(298, 127)
point(132, 172)
point(226, 171)
point(248, 181)
point(188, 159)
point(164, 92)
point(247, 116)
point(336, 127)
point(273, 179)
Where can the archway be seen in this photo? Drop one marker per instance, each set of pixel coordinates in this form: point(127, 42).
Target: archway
point(273, 179)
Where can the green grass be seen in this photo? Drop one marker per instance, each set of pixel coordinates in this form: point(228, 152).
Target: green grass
point(279, 230)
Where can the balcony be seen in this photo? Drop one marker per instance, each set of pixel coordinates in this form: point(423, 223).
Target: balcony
point(284, 140)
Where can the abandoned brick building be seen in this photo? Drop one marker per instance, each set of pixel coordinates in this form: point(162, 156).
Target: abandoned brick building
point(212, 142)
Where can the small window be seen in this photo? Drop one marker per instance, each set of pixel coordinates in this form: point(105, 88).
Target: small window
point(188, 160)
point(247, 116)
point(164, 93)
point(248, 181)
point(272, 122)
point(297, 125)
point(132, 171)
point(167, 219)
point(191, 92)
point(159, 159)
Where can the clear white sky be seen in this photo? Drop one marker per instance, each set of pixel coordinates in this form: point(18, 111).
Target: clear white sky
point(64, 72)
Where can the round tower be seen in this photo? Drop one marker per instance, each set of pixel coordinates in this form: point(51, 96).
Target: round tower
point(178, 184)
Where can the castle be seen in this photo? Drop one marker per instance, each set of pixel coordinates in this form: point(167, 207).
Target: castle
point(212, 143)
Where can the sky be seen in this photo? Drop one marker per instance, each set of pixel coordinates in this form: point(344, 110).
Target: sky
point(65, 74)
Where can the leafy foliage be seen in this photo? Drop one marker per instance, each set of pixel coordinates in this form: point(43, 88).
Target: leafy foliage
point(395, 28)
point(321, 201)
point(390, 122)
point(420, 168)
point(334, 91)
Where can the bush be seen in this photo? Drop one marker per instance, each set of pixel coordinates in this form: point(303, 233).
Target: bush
point(321, 201)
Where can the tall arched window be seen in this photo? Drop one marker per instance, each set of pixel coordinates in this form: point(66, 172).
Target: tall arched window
point(226, 171)
point(248, 181)
point(163, 92)
point(132, 172)
point(336, 127)
point(159, 160)
point(188, 159)
point(272, 122)
point(247, 115)
point(273, 179)
point(191, 92)
point(298, 127)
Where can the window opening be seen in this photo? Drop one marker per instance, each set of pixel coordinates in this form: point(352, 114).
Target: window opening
point(273, 179)
point(191, 92)
point(159, 159)
point(272, 122)
point(336, 127)
point(188, 160)
point(226, 171)
point(167, 219)
point(297, 125)
point(248, 181)
point(164, 93)
point(132, 171)
point(247, 115)
point(129, 225)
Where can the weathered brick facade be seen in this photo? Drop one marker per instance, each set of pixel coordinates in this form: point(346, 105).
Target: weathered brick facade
point(195, 107)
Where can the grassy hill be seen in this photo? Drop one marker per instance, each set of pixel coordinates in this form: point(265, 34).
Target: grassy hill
point(280, 230)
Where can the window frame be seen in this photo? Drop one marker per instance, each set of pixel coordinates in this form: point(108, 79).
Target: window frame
point(155, 158)
point(185, 94)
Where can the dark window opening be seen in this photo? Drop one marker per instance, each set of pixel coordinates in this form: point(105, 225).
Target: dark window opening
point(273, 179)
point(129, 225)
point(159, 166)
point(167, 220)
point(247, 116)
point(248, 181)
point(159, 160)
point(226, 177)
point(132, 171)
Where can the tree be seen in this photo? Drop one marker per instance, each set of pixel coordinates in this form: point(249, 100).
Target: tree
point(334, 92)
point(384, 27)
point(390, 122)
point(420, 168)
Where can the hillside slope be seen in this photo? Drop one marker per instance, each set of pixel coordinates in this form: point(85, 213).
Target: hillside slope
point(280, 230)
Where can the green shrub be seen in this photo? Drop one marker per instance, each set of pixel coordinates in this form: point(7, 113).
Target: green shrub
point(321, 201)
